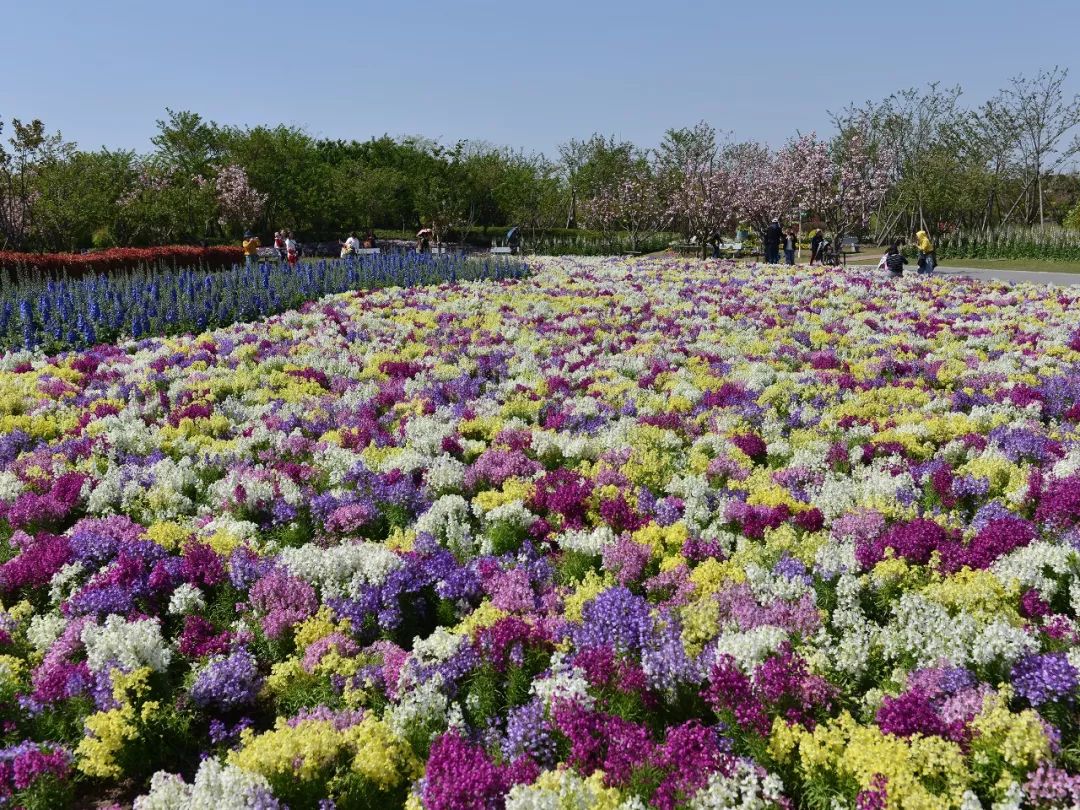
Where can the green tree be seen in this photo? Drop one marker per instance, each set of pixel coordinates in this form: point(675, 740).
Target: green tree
point(79, 195)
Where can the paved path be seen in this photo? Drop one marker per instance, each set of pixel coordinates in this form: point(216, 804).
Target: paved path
point(1032, 276)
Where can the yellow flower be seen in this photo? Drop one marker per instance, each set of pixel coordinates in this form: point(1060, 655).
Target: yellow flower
point(106, 734)
point(167, 534)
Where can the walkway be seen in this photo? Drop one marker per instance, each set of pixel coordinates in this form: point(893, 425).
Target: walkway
point(1032, 276)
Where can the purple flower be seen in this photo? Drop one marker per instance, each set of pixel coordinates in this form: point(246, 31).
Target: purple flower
point(227, 683)
point(1039, 679)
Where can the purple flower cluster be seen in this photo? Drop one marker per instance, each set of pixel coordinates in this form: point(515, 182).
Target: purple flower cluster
point(227, 683)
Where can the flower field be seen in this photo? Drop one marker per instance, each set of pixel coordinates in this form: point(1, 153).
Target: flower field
point(620, 534)
point(56, 314)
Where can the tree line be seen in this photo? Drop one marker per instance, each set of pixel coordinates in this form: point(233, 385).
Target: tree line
point(919, 158)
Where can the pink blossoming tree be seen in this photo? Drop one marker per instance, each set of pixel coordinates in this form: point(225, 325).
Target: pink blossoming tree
point(239, 204)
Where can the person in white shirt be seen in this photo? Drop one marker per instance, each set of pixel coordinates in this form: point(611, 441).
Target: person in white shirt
point(350, 246)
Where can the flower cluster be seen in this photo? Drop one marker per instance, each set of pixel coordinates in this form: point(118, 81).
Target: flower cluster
point(622, 533)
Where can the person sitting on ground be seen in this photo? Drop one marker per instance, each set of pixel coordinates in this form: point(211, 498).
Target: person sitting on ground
point(369, 240)
point(895, 261)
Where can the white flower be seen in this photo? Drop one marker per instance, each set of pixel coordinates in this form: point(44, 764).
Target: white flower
point(65, 582)
point(129, 644)
point(1028, 566)
point(445, 475)
point(186, 599)
point(586, 542)
point(448, 521)
point(1000, 641)
point(564, 683)
point(44, 629)
point(342, 570)
point(216, 787)
point(751, 647)
point(10, 486)
point(749, 787)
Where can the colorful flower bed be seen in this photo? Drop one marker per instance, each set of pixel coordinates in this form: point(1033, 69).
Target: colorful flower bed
point(623, 534)
point(115, 259)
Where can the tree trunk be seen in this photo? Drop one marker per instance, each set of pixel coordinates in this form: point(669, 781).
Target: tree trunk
point(1042, 220)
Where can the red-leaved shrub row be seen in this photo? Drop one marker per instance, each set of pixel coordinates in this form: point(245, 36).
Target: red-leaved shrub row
point(102, 261)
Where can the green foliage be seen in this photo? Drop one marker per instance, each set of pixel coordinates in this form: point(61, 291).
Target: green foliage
point(1049, 242)
point(574, 565)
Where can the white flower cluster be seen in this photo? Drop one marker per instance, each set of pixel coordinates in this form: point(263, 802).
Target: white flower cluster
point(563, 789)
point(748, 787)
point(425, 434)
point(10, 486)
point(448, 521)
point(564, 683)
point(216, 787)
point(186, 599)
point(440, 646)
point(513, 513)
point(421, 708)
point(585, 541)
point(65, 582)
point(751, 647)
point(129, 644)
point(873, 486)
point(341, 570)
point(44, 629)
point(445, 475)
point(554, 444)
point(1028, 566)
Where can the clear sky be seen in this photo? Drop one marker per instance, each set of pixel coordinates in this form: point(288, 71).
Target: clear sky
point(528, 75)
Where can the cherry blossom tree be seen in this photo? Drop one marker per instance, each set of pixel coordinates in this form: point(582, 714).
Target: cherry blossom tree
point(768, 184)
point(633, 204)
point(705, 200)
point(844, 180)
point(239, 204)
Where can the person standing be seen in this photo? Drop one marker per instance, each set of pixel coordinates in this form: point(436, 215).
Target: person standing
point(927, 256)
point(292, 250)
point(251, 247)
point(279, 244)
point(815, 245)
point(773, 236)
point(789, 248)
point(895, 261)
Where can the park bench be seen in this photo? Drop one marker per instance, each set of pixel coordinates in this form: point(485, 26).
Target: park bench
point(502, 251)
point(851, 242)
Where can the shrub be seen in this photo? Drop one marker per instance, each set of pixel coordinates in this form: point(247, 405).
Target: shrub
point(117, 259)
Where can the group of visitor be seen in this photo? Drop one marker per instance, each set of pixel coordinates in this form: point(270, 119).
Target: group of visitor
point(352, 244)
point(284, 244)
point(286, 247)
point(894, 260)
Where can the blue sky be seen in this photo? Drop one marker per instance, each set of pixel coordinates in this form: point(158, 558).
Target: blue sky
point(528, 75)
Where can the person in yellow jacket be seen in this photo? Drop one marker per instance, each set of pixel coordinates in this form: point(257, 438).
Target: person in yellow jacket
point(251, 248)
point(927, 257)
